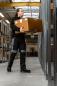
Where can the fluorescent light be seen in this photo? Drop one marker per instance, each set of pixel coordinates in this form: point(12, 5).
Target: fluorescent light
point(20, 0)
point(7, 21)
point(1, 15)
point(25, 0)
point(35, 0)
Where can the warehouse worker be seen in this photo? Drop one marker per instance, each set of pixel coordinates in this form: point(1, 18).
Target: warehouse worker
point(18, 43)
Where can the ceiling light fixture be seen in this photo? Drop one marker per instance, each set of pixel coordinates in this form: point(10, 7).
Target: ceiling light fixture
point(1, 15)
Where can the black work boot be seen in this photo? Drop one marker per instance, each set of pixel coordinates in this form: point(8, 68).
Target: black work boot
point(9, 70)
point(22, 63)
point(25, 71)
point(11, 62)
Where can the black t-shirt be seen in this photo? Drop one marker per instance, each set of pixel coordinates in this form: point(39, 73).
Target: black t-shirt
point(15, 28)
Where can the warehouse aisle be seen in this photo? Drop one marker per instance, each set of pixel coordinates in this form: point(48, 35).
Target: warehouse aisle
point(15, 78)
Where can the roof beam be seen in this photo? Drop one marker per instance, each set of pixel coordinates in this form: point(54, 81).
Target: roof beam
point(17, 4)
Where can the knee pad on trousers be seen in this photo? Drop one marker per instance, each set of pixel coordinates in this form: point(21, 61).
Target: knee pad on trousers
point(23, 53)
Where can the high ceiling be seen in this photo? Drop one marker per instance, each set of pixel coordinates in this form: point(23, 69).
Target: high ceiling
point(29, 11)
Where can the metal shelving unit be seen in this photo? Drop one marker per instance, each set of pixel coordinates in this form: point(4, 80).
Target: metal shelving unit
point(4, 41)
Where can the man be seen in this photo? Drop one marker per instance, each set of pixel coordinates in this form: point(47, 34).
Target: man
point(18, 43)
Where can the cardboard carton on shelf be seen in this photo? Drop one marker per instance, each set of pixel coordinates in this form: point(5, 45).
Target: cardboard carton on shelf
point(29, 25)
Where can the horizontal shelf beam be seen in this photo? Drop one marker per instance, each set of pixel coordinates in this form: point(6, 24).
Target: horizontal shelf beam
point(18, 4)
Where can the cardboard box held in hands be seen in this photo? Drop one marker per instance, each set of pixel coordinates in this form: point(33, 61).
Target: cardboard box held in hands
point(29, 25)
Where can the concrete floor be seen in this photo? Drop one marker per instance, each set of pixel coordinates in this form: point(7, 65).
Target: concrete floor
point(15, 78)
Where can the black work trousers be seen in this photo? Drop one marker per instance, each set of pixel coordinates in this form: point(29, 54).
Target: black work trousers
point(18, 44)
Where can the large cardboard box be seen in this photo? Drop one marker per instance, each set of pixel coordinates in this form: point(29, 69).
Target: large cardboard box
point(29, 25)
